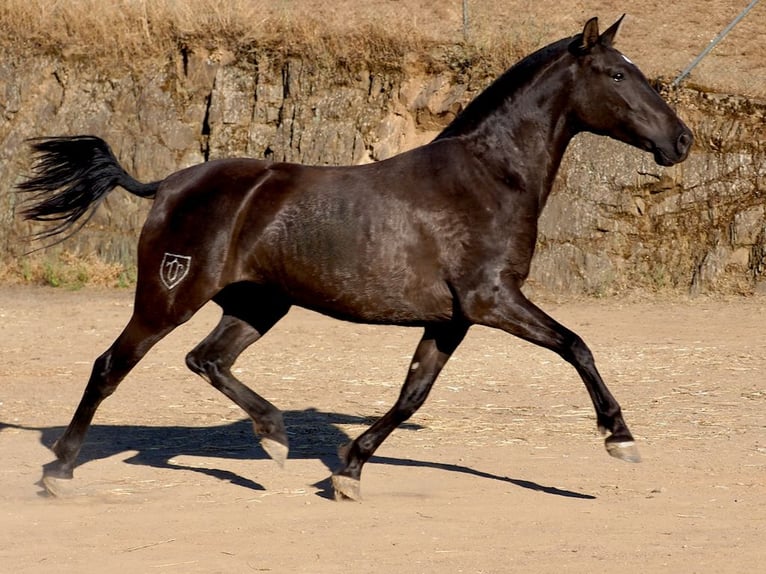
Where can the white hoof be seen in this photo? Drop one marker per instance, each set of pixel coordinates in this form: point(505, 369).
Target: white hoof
point(276, 450)
point(346, 488)
point(625, 450)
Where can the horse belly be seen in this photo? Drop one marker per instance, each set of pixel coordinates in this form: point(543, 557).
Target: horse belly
point(388, 276)
point(382, 295)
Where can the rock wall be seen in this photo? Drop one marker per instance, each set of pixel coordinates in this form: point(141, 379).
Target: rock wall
point(615, 222)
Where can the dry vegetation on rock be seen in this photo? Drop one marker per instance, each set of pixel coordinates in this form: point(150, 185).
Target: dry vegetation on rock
point(663, 37)
point(129, 32)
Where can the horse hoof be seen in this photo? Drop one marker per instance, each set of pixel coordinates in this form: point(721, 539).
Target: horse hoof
point(276, 450)
point(625, 450)
point(346, 488)
point(57, 487)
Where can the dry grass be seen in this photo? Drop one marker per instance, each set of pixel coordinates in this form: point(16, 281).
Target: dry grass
point(128, 32)
point(121, 28)
point(134, 31)
point(59, 268)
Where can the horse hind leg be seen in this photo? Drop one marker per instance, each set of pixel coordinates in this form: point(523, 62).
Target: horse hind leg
point(213, 358)
point(108, 371)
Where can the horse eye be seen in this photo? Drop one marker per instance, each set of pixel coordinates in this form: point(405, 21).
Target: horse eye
point(618, 76)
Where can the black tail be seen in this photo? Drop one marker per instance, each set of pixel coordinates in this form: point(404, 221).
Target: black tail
point(71, 177)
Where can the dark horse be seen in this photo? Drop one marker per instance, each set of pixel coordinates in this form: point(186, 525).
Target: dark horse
point(440, 237)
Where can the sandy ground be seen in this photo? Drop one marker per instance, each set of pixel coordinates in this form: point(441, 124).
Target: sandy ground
point(501, 471)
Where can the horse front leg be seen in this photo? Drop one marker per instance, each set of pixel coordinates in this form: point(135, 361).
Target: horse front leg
point(437, 345)
point(514, 313)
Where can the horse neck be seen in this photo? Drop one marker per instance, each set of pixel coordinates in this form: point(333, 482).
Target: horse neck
point(524, 138)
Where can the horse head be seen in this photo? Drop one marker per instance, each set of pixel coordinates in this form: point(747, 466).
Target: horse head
point(610, 96)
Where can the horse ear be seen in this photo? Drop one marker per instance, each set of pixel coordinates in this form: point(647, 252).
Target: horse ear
point(589, 38)
point(607, 38)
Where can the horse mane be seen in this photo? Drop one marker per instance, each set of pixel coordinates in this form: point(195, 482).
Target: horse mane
point(514, 78)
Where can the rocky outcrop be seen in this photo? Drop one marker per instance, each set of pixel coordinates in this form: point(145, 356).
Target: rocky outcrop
point(619, 221)
point(615, 222)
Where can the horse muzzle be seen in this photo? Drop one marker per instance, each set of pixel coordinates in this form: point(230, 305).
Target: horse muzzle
point(677, 152)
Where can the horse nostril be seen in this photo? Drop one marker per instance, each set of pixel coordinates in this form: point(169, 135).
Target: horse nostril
point(684, 142)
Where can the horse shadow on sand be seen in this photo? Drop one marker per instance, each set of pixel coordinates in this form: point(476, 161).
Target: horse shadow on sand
point(312, 434)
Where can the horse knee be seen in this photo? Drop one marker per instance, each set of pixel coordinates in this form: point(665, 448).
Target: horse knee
point(104, 379)
point(577, 352)
point(409, 403)
point(192, 363)
point(207, 367)
point(197, 363)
